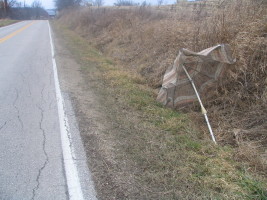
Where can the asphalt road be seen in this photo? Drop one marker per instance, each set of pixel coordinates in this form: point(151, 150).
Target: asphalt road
point(32, 162)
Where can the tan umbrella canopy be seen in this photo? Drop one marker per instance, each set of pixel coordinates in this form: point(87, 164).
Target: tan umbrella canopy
point(204, 67)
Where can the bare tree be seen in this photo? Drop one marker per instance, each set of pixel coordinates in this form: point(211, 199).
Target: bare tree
point(160, 2)
point(98, 3)
point(5, 6)
point(125, 3)
point(36, 4)
point(87, 3)
point(37, 8)
point(62, 4)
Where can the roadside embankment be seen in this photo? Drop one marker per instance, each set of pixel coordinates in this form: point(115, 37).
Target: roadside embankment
point(146, 40)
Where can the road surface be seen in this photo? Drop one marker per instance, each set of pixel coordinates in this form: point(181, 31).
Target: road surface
point(39, 140)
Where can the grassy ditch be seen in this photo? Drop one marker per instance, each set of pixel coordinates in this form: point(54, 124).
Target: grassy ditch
point(6, 22)
point(146, 39)
point(159, 153)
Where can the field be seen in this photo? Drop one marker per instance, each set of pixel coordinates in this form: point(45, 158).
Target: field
point(165, 154)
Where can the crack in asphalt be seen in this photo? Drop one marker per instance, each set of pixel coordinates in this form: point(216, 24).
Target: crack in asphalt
point(24, 80)
point(42, 93)
point(17, 109)
point(3, 125)
point(45, 153)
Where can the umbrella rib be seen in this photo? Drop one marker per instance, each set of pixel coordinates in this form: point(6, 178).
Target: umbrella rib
point(199, 72)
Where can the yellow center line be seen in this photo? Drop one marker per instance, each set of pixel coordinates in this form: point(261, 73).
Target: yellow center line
point(15, 33)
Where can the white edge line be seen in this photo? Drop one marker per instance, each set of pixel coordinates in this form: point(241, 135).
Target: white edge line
point(73, 182)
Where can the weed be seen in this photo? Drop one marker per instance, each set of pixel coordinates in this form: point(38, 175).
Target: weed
point(255, 188)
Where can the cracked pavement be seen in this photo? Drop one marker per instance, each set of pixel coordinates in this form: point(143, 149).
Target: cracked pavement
point(30, 145)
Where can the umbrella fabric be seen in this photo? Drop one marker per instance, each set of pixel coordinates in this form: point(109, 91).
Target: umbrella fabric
point(204, 67)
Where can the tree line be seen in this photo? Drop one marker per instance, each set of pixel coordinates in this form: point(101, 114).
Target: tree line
point(16, 10)
point(63, 4)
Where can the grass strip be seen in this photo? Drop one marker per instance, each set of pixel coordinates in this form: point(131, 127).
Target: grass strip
point(6, 22)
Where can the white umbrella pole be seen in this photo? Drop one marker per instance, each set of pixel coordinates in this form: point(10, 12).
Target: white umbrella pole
point(203, 110)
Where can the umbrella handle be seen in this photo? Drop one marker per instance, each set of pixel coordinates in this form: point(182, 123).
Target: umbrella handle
point(203, 110)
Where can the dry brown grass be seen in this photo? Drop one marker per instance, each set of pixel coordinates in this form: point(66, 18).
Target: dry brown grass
point(6, 22)
point(146, 40)
point(140, 150)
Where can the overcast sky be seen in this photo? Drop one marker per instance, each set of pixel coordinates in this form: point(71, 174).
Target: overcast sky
point(50, 3)
point(45, 3)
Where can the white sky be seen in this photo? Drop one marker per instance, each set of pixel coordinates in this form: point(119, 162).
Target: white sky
point(45, 3)
point(50, 3)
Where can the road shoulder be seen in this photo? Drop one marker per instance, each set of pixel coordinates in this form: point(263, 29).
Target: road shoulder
point(70, 79)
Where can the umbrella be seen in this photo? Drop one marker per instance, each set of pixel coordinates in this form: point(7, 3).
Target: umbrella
point(193, 75)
